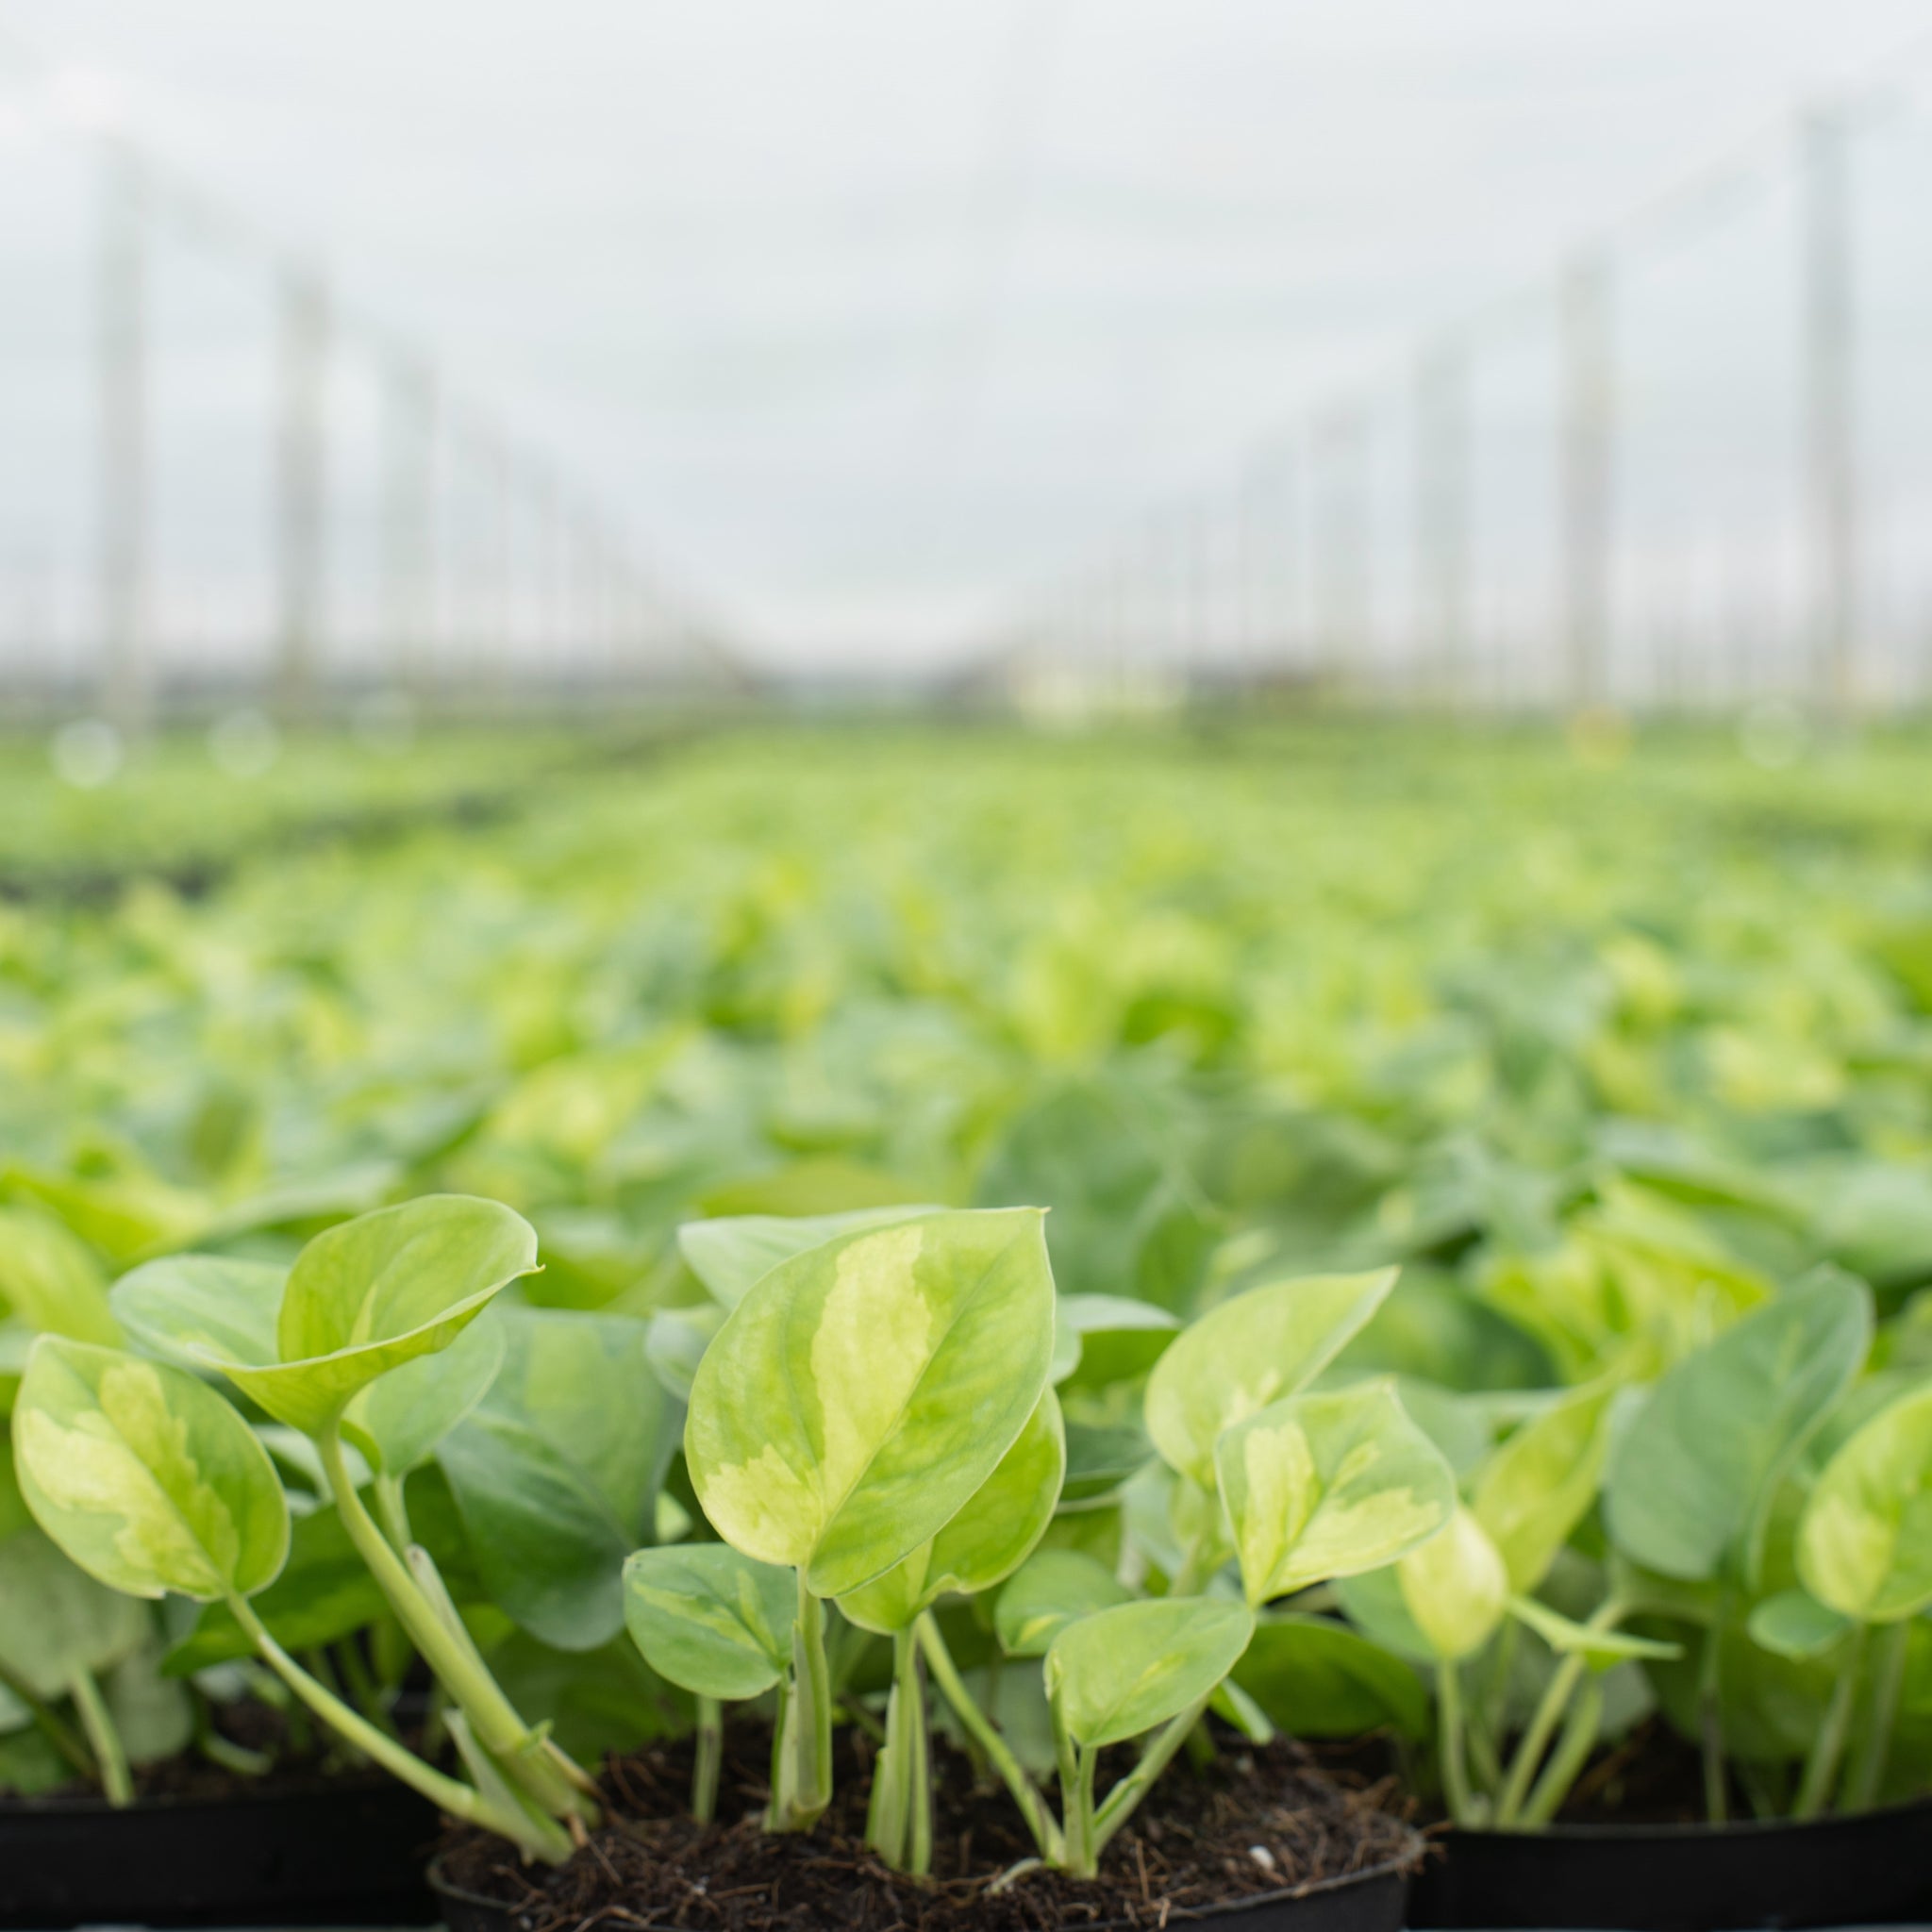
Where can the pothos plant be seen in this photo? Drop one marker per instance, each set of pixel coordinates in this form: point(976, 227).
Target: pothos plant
point(1741, 1541)
point(874, 1425)
point(365, 1355)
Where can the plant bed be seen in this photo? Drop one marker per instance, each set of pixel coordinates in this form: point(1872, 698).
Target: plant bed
point(1259, 1832)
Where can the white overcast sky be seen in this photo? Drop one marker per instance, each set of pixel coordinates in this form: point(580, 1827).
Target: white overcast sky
point(871, 313)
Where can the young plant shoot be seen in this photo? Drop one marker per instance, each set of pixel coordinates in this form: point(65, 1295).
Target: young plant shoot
point(860, 1396)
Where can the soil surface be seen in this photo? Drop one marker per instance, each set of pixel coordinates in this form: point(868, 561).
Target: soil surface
point(1254, 1821)
point(1652, 1776)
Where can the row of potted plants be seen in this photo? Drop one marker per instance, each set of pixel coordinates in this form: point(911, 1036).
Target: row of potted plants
point(885, 1500)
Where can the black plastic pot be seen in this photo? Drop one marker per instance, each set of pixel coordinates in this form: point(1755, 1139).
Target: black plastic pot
point(331, 1856)
point(1872, 1870)
point(1371, 1901)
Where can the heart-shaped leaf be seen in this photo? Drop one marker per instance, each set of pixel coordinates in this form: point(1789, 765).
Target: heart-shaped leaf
point(1317, 1678)
point(1865, 1539)
point(1270, 1342)
point(1120, 1672)
point(373, 1293)
point(399, 1419)
point(1456, 1586)
point(50, 1281)
point(1795, 1624)
point(145, 1476)
point(1538, 1485)
point(1099, 1338)
point(1053, 1589)
point(710, 1619)
point(987, 1542)
point(676, 1342)
point(1324, 1486)
point(729, 1254)
point(191, 1309)
point(862, 1391)
point(1691, 1478)
point(55, 1619)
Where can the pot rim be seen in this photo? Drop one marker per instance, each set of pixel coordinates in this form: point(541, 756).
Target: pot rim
point(1387, 1868)
point(1680, 1832)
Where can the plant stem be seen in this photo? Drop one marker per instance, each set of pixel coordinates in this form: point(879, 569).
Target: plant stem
point(48, 1722)
point(528, 1758)
point(1549, 1711)
point(1449, 1740)
point(981, 1729)
point(447, 1794)
point(899, 1817)
point(1536, 1740)
point(1122, 1801)
point(394, 1511)
point(1077, 1801)
point(710, 1754)
point(782, 1759)
point(1867, 1769)
point(1571, 1754)
point(1827, 1747)
point(808, 1774)
point(117, 1783)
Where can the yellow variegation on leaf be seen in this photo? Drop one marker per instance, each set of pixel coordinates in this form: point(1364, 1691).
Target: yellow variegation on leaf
point(863, 1390)
point(146, 1477)
point(1865, 1539)
point(1268, 1342)
point(1329, 1485)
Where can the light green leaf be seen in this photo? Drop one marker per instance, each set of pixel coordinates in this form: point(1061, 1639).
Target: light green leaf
point(1535, 1490)
point(399, 1419)
point(1120, 1672)
point(1455, 1588)
point(729, 1255)
point(987, 1542)
point(55, 1619)
point(863, 1390)
point(145, 1476)
point(378, 1292)
point(1795, 1624)
point(190, 1309)
point(1375, 1603)
point(1865, 1539)
point(675, 1345)
point(1599, 1648)
point(1324, 1485)
point(556, 1473)
point(50, 1280)
point(1270, 1342)
point(1317, 1678)
point(1053, 1589)
point(709, 1619)
point(1692, 1476)
point(1106, 1338)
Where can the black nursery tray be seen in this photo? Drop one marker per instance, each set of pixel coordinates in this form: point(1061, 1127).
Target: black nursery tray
point(1875, 1868)
point(343, 1855)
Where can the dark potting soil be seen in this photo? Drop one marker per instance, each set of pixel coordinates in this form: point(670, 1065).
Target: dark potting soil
point(1254, 1821)
point(1650, 1777)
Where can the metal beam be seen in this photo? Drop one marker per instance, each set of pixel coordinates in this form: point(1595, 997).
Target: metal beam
point(1830, 426)
point(1588, 475)
point(122, 482)
point(301, 546)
